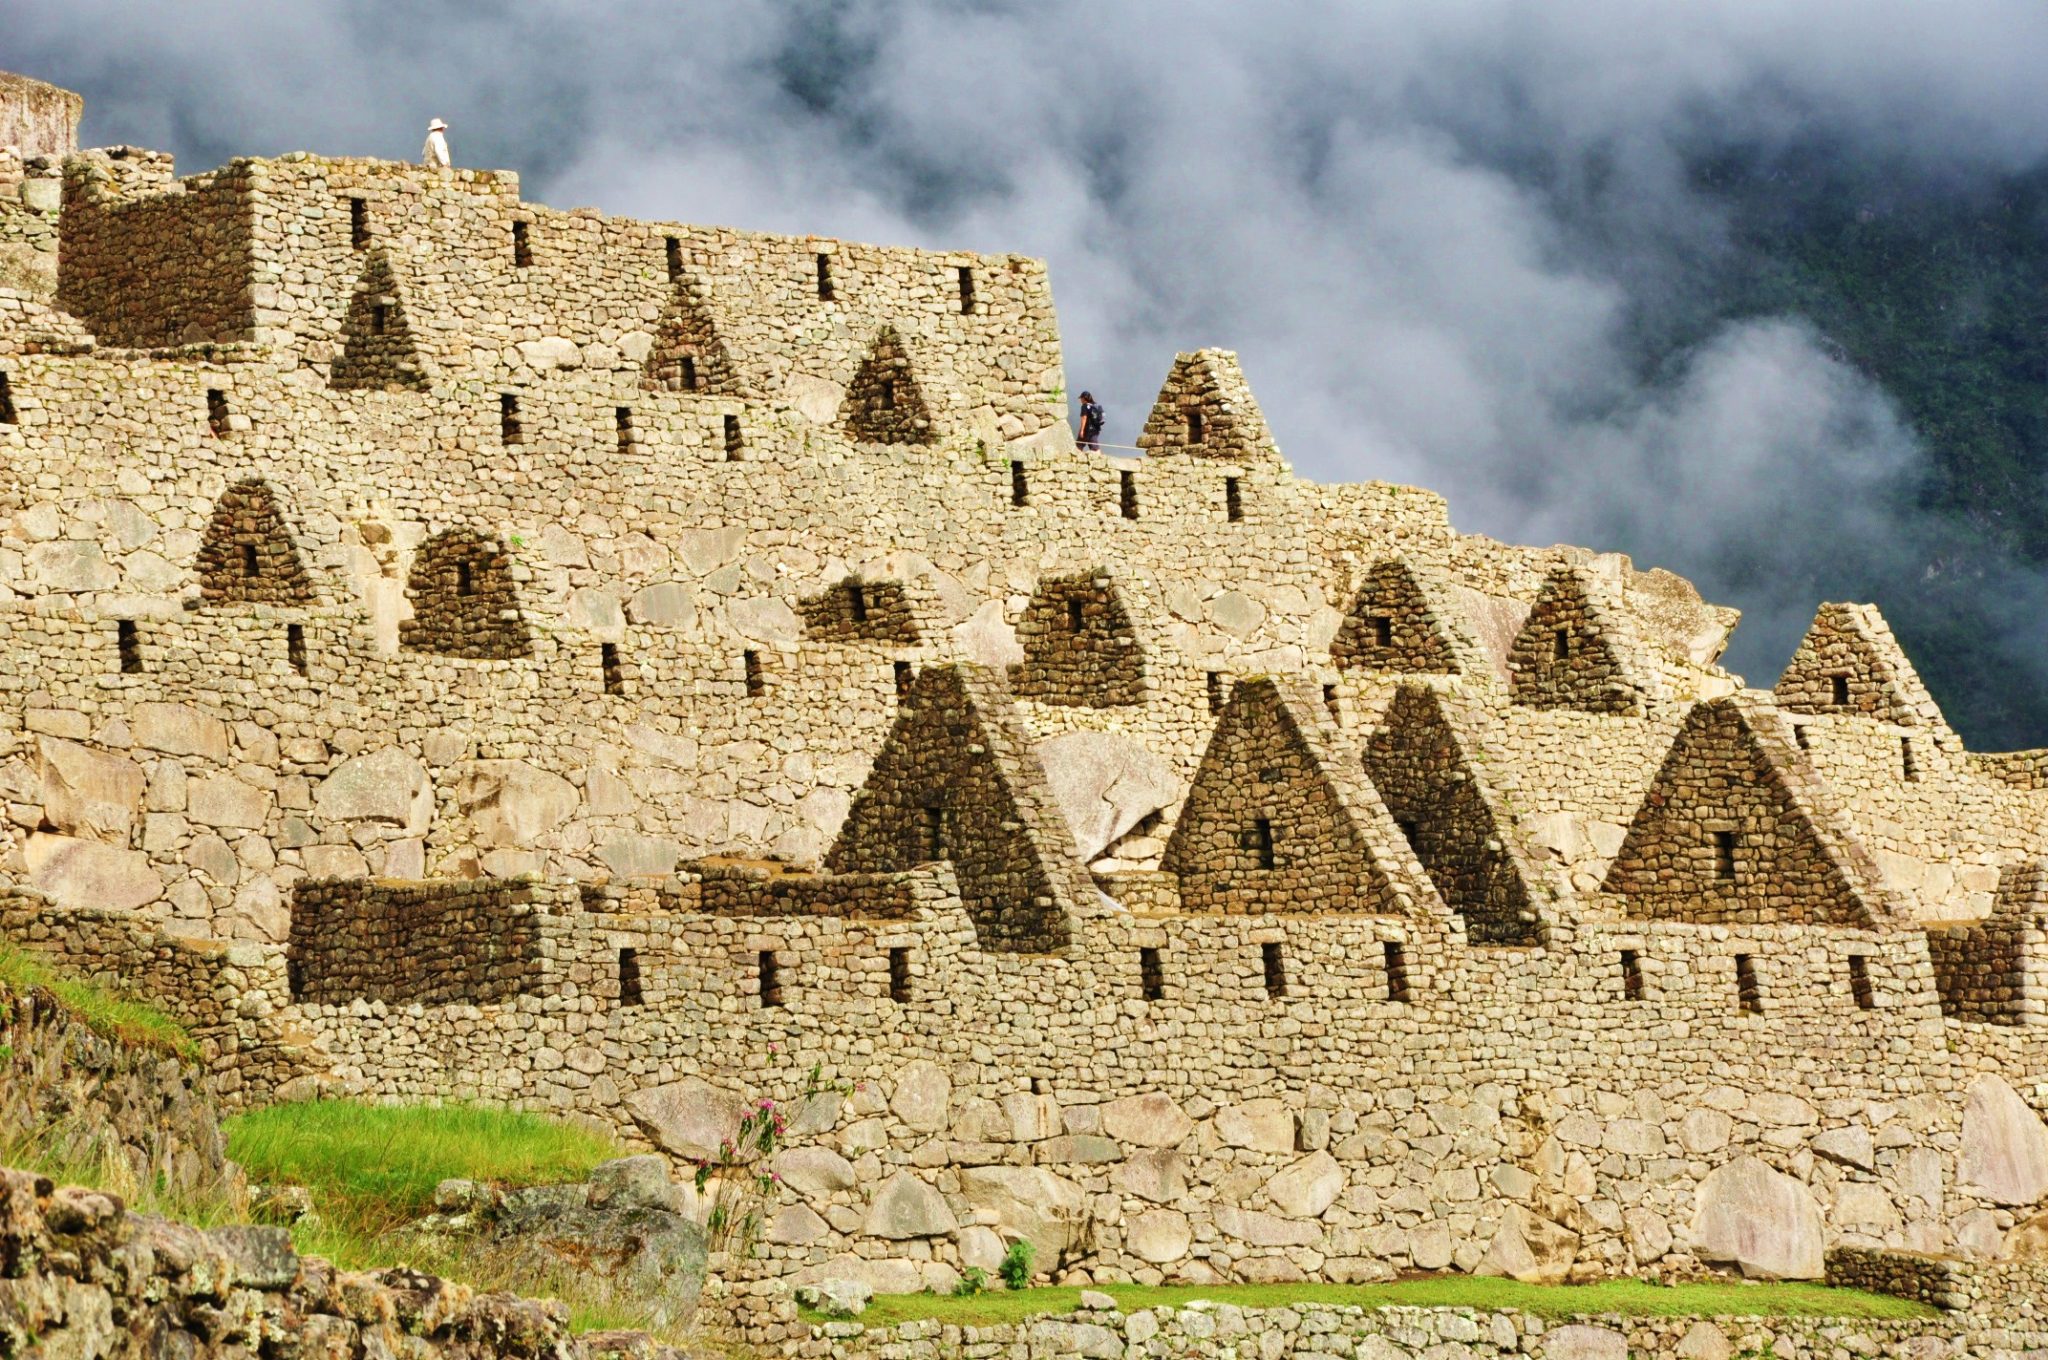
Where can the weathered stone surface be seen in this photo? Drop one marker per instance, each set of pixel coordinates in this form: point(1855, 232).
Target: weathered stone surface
point(837, 1297)
point(689, 1118)
point(1106, 783)
point(2005, 1145)
point(90, 794)
point(1159, 1235)
point(1851, 1146)
point(1028, 1202)
point(1530, 1248)
point(813, 1170)
point(907, 1207)
point(1262, 1125)
point(181, 729)
point(1704, 1341)
point(1577, 1341)
point(387, 786)
point(82, 873)
point(1154, 1120)
point(923, 1096)
point(512, 803)
point(1305, 1188)
point(1760, 1220)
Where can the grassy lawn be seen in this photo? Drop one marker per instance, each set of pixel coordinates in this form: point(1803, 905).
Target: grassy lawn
point(1633, 1297)
point(127, 1022)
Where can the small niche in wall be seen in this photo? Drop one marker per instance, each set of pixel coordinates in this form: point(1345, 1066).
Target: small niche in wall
point(522, 244)
point(614, 673)
point(824, 278)
point(857, 601)
point(217, 412)
point(1799, 735)
point(735, 446)
point(1382, 630)
point(465, 579)
point(1273, 958)
point(7, 416)
point(1194, 424)
point(899, 975)
point(888, 392)
point(252, 564)
point(1561, 644)
point(966, 290)
point(358, 224)
point(1330, 702)
point(1151, 973)
point(689, 362)
point(1838, 686)
point(757, 681)
point(1260, 841)
point(128, 642)
point(508, 419)
point(1631, 976)
point(1724, 856)
point(295, 646)
point(622, 421)
point(380, 318)
point(1233, 500)
point(905, 673)
point(1907, 765)
point(1394, 955)
point(1020, 487)
point(1213, 682)
point(1749, 994)
point(1859, 982)
point(672, 248)
point(1127, 493)
point(934, 834)
point(769, 975)
point(1076, 614)
point(630, 993)
point(1408, 831)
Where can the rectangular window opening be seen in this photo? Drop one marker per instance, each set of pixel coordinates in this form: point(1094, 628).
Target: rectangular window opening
point(465, 579)
point(1907, 765)
point(1859, 982)
point(1020, 489)
point(129, 640)
point(1724, 856)
point(934, 833)
point(614, 674)
point(508, 419)
point(1330, 702)
point(358, 224)
point(622, 420)
point(904, 675)
point(757, 682)
point(7, 416)
point(1214, 682)
point(522, 245)
point(770, 973)
point(1274, 959)
point(1262, 841)
point(1839, 684)
point(1075, 609)
point(1409, 830)
point(673, 248)
point(888, 394)
point(630, 992)
point(1799, 735)
point(1382, 631)
point(966, 290)
point(1151, 975)
point(824, 278)
point(1561, 644)
point(734, 445)
point(1396, 960)
point(380, 318)
point(1233, 500)
point(252, 565)
point(1748, 994)
point(689, 372)
point(295, 646)
point(899, 974)
point(217, 412)
point(857, 601)
point(1194, 425)
point(1631, 976)
point(1127, 494)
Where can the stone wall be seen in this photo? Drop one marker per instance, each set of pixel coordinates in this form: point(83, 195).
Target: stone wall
point(418, 944)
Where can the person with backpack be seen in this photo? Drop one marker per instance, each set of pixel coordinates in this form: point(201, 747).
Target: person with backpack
point(1091, 422)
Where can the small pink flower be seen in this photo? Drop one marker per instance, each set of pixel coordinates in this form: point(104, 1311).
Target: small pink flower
point(775, 1176)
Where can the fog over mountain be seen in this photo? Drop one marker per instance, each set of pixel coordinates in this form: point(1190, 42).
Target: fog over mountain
point(1524, 254)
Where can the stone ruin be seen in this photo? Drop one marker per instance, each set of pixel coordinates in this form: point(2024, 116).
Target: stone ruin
point(457, 648)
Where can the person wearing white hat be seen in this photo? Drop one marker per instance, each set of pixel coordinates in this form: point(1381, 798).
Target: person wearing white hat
point(434, 155)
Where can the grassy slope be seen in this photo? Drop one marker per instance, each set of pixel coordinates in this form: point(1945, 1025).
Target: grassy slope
point(128, 1022)
point(1633, 1297)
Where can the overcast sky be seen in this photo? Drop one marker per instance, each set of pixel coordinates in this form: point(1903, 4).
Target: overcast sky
point(1384, 207)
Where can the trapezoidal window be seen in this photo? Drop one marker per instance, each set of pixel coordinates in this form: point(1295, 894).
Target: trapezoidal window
point(756, 677)
point(622, 422)
point(1394, 956)
point(1194, 424)
point(631, 992)
point(966, 290)
point(1859, 983)
point(1151, 974)
point(1561, 644)
point(1908, 767)
point(735, 445)
point(1020, 489)
point(1749, 993)
point(934, 834)
point(1724, 856)
point(1799, 735)
point(380, 318)
point(1273, 961)
point(464, 601)
point(1382, 630)
point(1631, 976)
point(899, 975)
point(295, 646)
point(614, 672)
point(1838, 686)
point(1233, 500)
point(247, 554)
point(672, 249)
point(1127, 493)
point(824, 278)
point(216, 412)
point(1213, 684)
point(128, 645)
point(905, 673)
point(509, 431)
point(522, 245)
point(7, 416)
point(768, 976)
point(1258, 839)
point(358, 224)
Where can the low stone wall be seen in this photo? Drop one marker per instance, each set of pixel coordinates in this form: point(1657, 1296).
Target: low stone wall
point(79, 1275)
point(1316, 1332)
point(472, 941)
point(83, 1097)
point(1942, 1281)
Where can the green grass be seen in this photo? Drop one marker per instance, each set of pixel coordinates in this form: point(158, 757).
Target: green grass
point(1634, 1298)
point(379, 1164)
point(112, 1017)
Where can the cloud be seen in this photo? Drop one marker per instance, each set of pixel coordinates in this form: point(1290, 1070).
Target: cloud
point(1436, 230)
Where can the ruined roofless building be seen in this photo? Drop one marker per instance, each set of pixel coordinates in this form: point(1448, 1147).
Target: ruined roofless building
point(459, 648)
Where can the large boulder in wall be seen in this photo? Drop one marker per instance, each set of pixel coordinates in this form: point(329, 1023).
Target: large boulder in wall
point(510, 803)
point(91, 794)
point(1760, 1220)
point(90, 874)
point(2005, 1145)
point(387, 786)
point(688, 1118)
point(1105, 783)
point(1028, 1202)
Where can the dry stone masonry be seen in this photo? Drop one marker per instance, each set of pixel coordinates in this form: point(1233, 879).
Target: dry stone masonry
point(455, 648)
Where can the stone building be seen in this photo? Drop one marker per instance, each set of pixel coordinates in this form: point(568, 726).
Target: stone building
point(459, 648)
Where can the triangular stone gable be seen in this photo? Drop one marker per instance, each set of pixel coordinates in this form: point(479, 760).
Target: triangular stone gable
point(956, 776)
point(377, 344)
point(688, 355)
point(464, 600)
point(1081, 644)
point(1206, 408)
point(1737, 827)
point(247, 555)
point(884, 403)
point(1849, 662)
point(1400, 622)
point(860, 610)
point(1447, 809)
point(1275, 821)
point(1577, 650)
